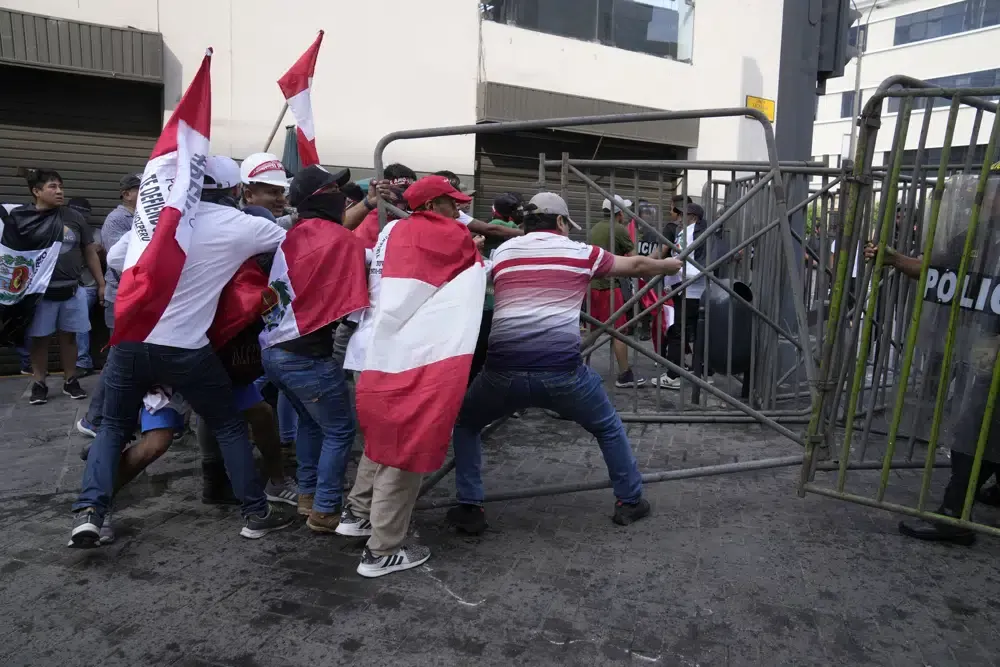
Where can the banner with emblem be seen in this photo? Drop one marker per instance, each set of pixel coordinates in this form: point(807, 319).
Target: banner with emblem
point(28, 256)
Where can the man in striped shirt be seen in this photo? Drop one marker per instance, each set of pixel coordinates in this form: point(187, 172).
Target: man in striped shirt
point(533, 360)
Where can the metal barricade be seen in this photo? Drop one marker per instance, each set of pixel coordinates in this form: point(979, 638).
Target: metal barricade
point(909, 362)
point(755, 215)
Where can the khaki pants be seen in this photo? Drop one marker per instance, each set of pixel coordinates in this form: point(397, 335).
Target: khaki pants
point(385, 496)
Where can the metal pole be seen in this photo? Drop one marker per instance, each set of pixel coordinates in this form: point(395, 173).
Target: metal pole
point(856, 111)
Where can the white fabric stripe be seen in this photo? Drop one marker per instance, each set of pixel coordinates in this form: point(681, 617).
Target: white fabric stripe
point(429, 324)
point(39, 263)
point(280, 323)
point(509, 251)
point(541, 267)
point(301, 105)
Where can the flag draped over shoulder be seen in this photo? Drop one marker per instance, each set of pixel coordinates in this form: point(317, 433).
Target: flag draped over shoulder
point(296, 86)
point(318, 277)
point(241, 303)
point(168, 198)
point(29, 248)
point(424, 332)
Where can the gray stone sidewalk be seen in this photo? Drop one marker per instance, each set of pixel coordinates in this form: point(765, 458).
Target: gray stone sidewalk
point(730, 570)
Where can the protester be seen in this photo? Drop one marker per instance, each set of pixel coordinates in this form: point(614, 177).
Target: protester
point(534, 357)
point(605, 299)
point(363, 218)
point(318, 277)
point(117, 223)
point(495, 235)
point(176, 353)
point(426, 287)
point(88, 284)
point(265, 180)
point(63, 308)
point(648, 244)
point(508, 211)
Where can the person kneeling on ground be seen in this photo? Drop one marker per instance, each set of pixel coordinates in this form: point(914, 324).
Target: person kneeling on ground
point(533, 360)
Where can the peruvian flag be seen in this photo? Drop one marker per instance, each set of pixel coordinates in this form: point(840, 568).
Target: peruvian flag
point(168, 199)
point(296, 86)
point(650, 297)
point(242, 302)
point(423, 334)
point(318, 276)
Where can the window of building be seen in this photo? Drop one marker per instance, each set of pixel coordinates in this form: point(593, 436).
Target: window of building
point(988, 78)
point(957, 158)
point(658, 27)
point(847, 104)
point(947, 20)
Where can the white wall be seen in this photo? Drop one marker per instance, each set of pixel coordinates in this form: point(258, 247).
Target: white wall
point(943, 56)
point(418, 79)
point(736, 52)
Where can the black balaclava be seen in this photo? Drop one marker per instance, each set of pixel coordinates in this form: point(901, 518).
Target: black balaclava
point(324, 205)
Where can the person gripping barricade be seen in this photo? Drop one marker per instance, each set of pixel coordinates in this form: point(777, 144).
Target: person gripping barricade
point(362, 218)
point(976, 345)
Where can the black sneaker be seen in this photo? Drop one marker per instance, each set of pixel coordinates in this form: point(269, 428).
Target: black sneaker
point(85, 451)
point(990, 496)
point(73, 389)
point(256, 526)
point(628, 379)
point(404, 559)
point(215, 486)
point(626, 513)
point(470, 519)
point(84, 372)
point(86, 529)
point(39, 394)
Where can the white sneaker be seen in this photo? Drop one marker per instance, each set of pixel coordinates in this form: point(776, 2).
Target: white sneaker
point(667, 382)
point(84, 428)
point(352, 525)
point(107, 532)
point(405, 558)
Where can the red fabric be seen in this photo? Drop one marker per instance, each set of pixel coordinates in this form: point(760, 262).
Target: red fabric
point(407, 418)
point(146, 288)
point(308, 155)
point(600, 308)
point(241, 302)
point(368, 230)
point(294, 81)
point(326, 267)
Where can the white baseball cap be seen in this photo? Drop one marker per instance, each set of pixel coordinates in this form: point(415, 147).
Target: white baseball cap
point(221, 173)
point(263, 168)
point(621, 203)
point(551, 203)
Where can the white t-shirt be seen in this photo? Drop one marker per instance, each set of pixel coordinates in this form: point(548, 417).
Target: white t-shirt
point(224, 237)
point(833, 250)
point(357, 347)
point(464, 218)
point(697, 288)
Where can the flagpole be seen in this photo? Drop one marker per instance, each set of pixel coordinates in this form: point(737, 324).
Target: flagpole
point(274, 130)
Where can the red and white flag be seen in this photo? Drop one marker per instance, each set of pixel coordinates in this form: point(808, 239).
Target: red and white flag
point(424, 333)
point(242, 302)
point(168, 199)
point(296, 86)
point(318, 276)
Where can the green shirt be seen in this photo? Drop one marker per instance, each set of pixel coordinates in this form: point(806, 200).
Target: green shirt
point(489, 246)
point(600, 236)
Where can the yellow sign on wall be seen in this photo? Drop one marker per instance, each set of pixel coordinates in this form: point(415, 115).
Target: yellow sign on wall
point(762, 104)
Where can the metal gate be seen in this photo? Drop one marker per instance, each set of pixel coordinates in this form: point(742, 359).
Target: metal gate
point(909, 364)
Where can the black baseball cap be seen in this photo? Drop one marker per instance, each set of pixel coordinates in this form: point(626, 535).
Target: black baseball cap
point(79, 204)
point(312, 179)
point(128, 182)
point(508, 205)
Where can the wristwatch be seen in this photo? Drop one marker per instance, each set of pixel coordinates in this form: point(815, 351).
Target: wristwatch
point(370, 206)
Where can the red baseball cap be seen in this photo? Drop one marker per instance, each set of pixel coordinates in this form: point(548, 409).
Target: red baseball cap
point(432, 187)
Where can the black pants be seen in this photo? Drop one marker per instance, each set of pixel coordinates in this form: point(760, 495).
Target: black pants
point(961, 473)
point(482, 343)
point(689, 325)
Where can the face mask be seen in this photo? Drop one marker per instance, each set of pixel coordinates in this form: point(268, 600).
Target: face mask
point(325, 205)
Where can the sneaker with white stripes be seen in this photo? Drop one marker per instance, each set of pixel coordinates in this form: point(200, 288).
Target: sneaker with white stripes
point(352, 525)
point(405, 558)
point(281, 493)
point(107, 532)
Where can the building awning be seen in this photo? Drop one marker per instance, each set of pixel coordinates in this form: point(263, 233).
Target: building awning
point(31, 40)
point(503, 102)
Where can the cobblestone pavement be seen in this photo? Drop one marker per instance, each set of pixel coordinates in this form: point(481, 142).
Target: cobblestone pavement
point(732, 570)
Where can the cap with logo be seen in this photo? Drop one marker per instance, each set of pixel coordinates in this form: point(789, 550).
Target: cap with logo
point(221, 173)
point(129, 181)
point(620, 203)
point(432, 187)
point(312, 179)
point(263, 168)
point(551, 204)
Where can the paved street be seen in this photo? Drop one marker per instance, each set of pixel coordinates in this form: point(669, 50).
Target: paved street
point(732, 570)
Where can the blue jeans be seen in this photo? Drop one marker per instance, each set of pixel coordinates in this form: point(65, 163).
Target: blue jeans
point(83, 359)
point(317, 390)
point(131, 370)
point(288, 418)
point(96, 408)
point(578, 395)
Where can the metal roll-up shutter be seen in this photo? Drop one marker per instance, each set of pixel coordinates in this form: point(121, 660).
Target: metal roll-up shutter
point(91, 130)
point(509, 163)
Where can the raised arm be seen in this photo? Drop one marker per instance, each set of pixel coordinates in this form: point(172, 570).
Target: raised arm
point(638, 266)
